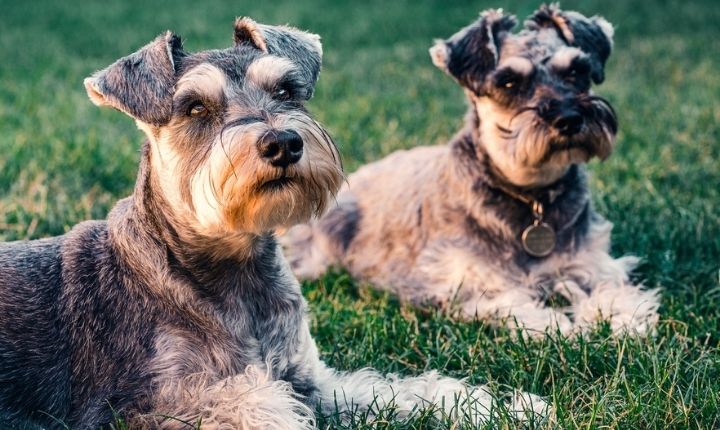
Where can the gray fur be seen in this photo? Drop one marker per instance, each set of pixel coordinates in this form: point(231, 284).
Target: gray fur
point(443, 225)
point(141, 84)
point(83, 312)
point(473, 51)
point(302, 48)
point(589, 34)
point(181, 304)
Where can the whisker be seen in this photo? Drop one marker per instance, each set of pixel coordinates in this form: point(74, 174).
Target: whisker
point(222, 144)
point(213, 186)
point(508, 133)
point(322, 137)
point(605, 108)
point(521, 111)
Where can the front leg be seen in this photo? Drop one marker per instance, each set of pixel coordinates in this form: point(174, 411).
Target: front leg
point(369, 391)
point(602, 291)
point(246, 401)
point(598, 286)
point(453, 274)
point(366, 390)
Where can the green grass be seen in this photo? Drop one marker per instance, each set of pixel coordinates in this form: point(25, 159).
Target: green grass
point(62, 160)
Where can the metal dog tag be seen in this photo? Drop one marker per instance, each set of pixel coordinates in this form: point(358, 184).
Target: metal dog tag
point(538, 239)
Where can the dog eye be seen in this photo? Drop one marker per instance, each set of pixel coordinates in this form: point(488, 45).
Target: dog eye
point(508, 81)
point(282, 93)
point(197, 109)
point(577, 70)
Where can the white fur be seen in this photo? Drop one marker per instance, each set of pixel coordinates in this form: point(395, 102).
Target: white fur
point(165, 161)
point(204, 78)
point(564, 57)
point(315, 249)
point(612, 297)
point(515, 157)
point(606, 27)
point(439, 53)
point(518, 64)
point(246, 401)
point(448, 397)
point(267, 70)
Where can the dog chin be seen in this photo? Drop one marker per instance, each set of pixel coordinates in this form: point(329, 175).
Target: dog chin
point(579, 149)
point(276, 204)
point(567, 153)
point(558, 163)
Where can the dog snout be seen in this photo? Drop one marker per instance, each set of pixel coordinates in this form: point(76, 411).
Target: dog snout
point(282, 148)
point(568, 123)
point(567, 120)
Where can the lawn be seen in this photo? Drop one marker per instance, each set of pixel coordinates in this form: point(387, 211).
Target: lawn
point(62, 160)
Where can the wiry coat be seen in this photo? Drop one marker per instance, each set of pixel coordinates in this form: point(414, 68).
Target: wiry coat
point(115, 314)
point(443, 225)
point(181, 308)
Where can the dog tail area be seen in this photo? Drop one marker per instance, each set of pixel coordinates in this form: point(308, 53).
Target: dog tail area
point(247, 401)
point(367, 391)
point(312, 248)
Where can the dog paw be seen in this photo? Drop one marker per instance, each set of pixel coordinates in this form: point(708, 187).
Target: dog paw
point(529, 408)
point(536, 321)
point(628, 308)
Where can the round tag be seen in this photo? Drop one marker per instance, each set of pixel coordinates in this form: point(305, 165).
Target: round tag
point(539, 240)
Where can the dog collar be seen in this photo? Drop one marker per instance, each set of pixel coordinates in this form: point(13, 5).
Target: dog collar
point(539, 238)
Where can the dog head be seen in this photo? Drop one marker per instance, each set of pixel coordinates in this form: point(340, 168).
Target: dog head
point(232, 148)
point(532, 90)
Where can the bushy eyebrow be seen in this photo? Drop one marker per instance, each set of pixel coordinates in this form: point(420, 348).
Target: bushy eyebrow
point(269, 71)
point(566, 57)
point(187, 96)
point(203, 79)
point(521, 66)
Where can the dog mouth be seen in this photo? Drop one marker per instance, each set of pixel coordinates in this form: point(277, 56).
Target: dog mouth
point(277, 184)
point(566, 145)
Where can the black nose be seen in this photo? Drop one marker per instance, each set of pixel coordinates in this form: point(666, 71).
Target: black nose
point(568, 123)
point(561, 115)
point(281, 148)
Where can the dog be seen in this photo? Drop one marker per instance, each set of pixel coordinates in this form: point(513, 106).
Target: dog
point(180, 308)
point(498, 224)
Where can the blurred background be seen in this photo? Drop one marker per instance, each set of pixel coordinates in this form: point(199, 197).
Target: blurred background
point(63, 160)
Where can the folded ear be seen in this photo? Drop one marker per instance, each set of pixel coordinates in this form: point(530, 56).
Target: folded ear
point(302, 48)
point(141, 84)
point(471, 53)
point(593, 36)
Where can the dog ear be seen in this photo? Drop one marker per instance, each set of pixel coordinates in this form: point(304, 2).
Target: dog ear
point(471, 53)
point(141, 84)
point(302, 48)
point(593, 36)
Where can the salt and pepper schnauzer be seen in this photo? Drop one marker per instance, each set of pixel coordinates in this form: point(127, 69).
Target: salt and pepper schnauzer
point(500, 220)
point(181, 303)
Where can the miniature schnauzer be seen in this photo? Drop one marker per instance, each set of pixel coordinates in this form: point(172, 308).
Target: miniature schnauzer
point(500, 221)
point(181, 304)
